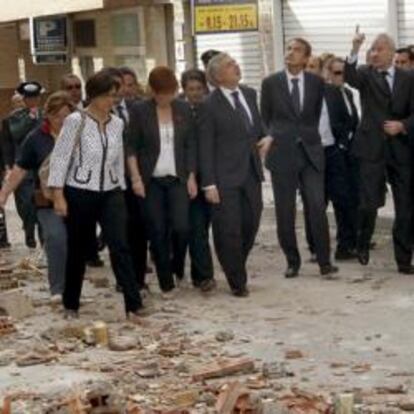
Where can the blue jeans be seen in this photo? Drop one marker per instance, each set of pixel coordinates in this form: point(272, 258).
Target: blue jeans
point(55, 243)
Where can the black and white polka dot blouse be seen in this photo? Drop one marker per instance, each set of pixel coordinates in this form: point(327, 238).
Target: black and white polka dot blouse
point(97, 164)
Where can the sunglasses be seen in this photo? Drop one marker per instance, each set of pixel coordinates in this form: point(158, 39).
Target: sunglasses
point(71, 87)
point(338, 72)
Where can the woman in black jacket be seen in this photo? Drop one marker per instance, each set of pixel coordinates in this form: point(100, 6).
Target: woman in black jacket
point(162, 162)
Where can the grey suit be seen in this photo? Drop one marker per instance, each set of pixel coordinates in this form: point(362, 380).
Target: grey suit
point(229, 160)
point(384, 157)
point(296, 160)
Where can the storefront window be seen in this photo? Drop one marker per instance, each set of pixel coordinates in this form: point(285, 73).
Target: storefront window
point(125, 30)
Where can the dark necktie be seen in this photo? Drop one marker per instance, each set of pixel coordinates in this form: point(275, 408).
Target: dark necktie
point(384, 76)
point(295, 95)
point(240, 109)
point(120, 110)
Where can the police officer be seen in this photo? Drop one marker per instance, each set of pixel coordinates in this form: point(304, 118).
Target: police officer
point(16, 127)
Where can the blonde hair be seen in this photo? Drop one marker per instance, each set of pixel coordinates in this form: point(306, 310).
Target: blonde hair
point(56, 101)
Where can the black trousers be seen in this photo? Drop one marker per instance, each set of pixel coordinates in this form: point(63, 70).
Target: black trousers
point(24, 198)
point(341, 189)
point(108, 209)
point(373, 178)
point(311, 183)
point(199, 247)
point(167, 210)
point(236, 221)
point(137, 234)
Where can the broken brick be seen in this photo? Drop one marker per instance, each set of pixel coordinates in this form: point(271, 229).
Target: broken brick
point(225, 367)
point(6, 326)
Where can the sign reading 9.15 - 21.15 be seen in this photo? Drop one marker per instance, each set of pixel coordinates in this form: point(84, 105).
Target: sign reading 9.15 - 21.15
point(215, 16)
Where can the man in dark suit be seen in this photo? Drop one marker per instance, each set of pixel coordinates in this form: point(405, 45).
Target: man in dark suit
point(194, 85)
point(341, 175)
point(137, 231)
point(382, 145)
point(231, 171)
point(337, 126)
point(291, 106)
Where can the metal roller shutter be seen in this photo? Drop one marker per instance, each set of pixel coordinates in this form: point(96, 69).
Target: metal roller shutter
point(330, 24)
point(244, 47)
point(405, 22)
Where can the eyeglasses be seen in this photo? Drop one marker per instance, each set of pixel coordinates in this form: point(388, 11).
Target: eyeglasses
point(338, 72)
point(71, 87)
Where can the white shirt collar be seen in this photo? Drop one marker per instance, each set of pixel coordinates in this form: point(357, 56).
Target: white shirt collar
point(299, 76)
point(228, 91)
point(390, 71)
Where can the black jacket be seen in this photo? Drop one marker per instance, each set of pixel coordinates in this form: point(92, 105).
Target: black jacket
point(286, 126)
point(378, 106)
point(143, 138)
point(343, 123)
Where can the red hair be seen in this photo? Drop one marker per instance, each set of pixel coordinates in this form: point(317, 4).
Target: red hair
point(163, 80)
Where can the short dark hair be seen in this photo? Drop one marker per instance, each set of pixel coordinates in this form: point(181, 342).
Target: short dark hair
point(193, 75)
point(208, 55)
point(162, 80)
point(304, 43)
point(100, 84)
point(125, 70)
point(406, 50)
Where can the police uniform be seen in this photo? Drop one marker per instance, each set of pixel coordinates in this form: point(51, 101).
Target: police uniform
point(16, 127)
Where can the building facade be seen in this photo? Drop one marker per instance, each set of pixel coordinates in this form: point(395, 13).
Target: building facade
point(146, 33)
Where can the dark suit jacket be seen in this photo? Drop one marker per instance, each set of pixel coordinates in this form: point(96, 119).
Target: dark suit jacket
point(226, 147)
point(288, 127)
point(143, 137)
point(378, 106)
point(343, 124)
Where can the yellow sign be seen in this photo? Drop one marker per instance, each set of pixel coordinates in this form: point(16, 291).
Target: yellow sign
point(214, 18)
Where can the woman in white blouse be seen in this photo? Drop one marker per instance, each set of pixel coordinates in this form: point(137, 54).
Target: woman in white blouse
point(162, 161)
point(87, 175)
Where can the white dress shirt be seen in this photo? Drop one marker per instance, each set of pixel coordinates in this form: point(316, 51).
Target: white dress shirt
point(325, 130)
point(228, 94)
point(301, 84)
point(166, 160)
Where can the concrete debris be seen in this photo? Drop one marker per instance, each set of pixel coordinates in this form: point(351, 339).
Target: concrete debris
point(224, 336)
point(122, 343)
point(276, 370)
point(36, 357)
point(15, 303)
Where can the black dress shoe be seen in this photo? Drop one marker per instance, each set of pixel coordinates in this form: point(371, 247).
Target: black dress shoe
point(345, 254)
point(406, 270)
point(363, 257)
point(31, 242)
point(207, 285)
point(241, 292)
point(291, 272)
point(5, 245)
point(328, 270)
